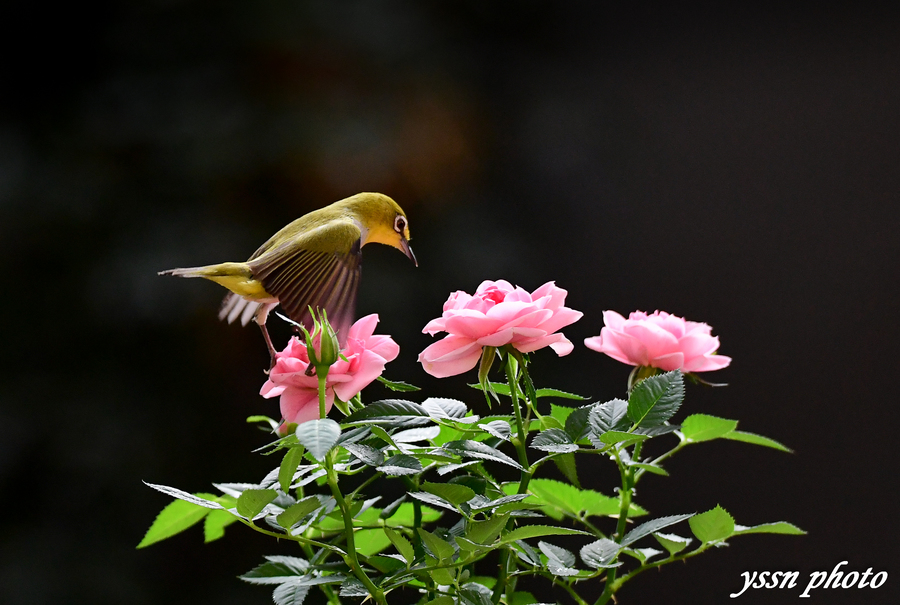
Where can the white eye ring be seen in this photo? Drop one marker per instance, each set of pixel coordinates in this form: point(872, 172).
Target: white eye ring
point(399, 223)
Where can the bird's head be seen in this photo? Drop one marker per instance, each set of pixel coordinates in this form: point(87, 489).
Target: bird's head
point(384, 221)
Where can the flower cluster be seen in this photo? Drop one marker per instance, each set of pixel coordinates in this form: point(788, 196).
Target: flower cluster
point(497, 314)
point(363, 360)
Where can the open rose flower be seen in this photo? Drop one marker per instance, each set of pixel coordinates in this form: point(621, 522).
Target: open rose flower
point(659, 340)
point(498, 314)
point(366, 354)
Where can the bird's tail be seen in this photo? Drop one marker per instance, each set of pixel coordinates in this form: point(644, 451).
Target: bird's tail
point(212, 271)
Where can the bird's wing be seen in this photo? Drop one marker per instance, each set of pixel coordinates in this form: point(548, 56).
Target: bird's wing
point(301, 278)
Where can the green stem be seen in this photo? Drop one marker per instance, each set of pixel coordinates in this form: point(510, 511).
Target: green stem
point(627, 483)
point(322, 376)
point(643, 568)
point(351, 557)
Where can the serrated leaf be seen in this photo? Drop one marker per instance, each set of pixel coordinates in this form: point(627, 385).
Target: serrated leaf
point(441, 407)
point(702, 427)
point(368, 454)
point(757, 440)
point(397, 385)
point(215, 523)
point(442, 576)
point(611, 415)
point(451, 492)
point(433, 500)
point(600, 553)
point(577, 425)
point(318, 436)
point(277, 570)
point(554, 441)
point(252, 501)
point(484, 532)
point(181, 495)
point(401, 464)
point(572, 500)
point(370, 541)
point(713, 525)
point(294, 513)
point(561, 412)
point(290, 593)
point(441, 600)
point(672, 543)
point(654, 525)
point(655, 431)
point(390, 412)
point(351, 587)
point(476, 449)
point(779, 527)
point(656, 399)
point(650, 468)
point(405, 515)
point(416, 434)
point(521, 597)
point(492, 504)
point(498, 428)
point(560, 394)
point(537, 531)
point(288, 467)
point(642, 554)
point(176, 517)
point(401, 544)
point(566, 465)
point(439, 547)
point(559, 560)
point(611, 437)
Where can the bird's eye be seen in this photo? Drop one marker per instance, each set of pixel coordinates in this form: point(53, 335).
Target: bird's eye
point(399, 224)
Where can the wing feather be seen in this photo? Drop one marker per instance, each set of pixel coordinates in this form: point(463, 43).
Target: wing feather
point(301, 278)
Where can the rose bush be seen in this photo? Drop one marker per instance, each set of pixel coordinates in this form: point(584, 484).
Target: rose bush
point(366, 354)
point(497, 314)
point(659, 340)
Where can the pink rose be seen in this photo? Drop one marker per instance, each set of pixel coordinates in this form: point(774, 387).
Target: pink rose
point(660, 340)
point(498, 314)
point(366, 356)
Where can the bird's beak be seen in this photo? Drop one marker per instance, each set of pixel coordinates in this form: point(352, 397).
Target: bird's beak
point(404, 245)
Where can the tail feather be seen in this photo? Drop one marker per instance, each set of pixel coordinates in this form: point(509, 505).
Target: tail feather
point(234, 306)
point(186, 272)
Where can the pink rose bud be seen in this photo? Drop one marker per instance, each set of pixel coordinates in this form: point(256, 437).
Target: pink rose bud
point(659, 340)
point(364, 359)
point(497, 315)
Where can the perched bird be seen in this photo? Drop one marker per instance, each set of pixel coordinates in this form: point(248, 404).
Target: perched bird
point(314, 262)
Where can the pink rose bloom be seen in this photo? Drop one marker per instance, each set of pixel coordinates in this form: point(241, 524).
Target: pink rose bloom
point(498, 314)
point(660, 340)
point(366, 356)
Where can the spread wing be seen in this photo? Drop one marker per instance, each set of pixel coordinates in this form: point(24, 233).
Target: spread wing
point(301, 278)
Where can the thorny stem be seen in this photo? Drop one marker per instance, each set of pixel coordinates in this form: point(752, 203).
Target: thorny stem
point(627, 484)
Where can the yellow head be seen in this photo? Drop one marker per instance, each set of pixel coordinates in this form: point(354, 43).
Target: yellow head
point(382, 220)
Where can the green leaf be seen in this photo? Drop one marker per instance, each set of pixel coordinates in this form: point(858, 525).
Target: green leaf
point(370, 541)
point(433, 500)
point(401, 464)
point(609, 416)
point(650, 468)
point(497, 428)
point(290, 593)
point(474, 449)
point(611, 437)
point(572, 500)
point(252, 501)
point(656, 399)
point(405, 515)
point(442, 575)
point(554, 441)
point(577, 424)
point(176, 517)
point(401, 544)
point(392, 412)
point(366, 453)
point(654, 525)
point(559, 560)
point(215, 523)
point(484, 532)
point(318, 436)
point(453, 493)
point(441, 600)
point(441, 549)
point(263, 420)
point(288, 467)
point(756, 440)
point(713, 525)
point(560, 412)
point(560, 394)
point(523, 598)
point(182, 495)
point(537, 531)
point(351, 587)
point(276, 570)
point(386, 565)
point(600, 553)
point(294, 513)
point(402, 387)
point(701, 427)
point(441, 407)
point(779, 527)
point(566, 465)
point(671, 542)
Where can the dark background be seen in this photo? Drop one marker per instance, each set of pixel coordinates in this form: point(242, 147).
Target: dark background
point(738, 168)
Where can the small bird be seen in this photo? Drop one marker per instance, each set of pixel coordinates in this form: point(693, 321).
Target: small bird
point(314, 262)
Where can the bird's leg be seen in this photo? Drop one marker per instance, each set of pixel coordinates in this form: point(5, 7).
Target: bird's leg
point(265, 333)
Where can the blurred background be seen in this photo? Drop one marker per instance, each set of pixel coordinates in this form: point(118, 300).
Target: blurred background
point(738, 168)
